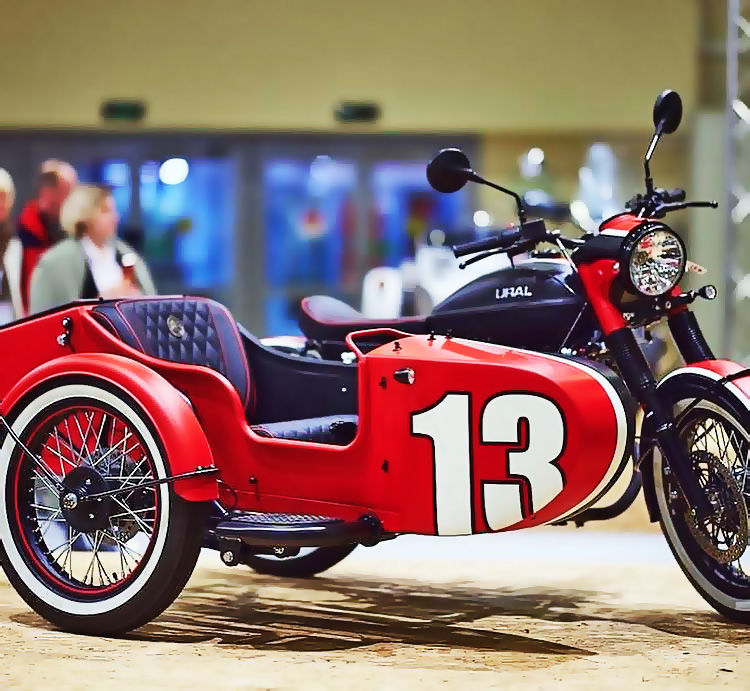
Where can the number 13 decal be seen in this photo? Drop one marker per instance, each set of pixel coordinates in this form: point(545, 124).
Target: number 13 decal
point(531, 463)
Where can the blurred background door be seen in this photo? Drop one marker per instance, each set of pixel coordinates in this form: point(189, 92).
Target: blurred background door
point(334, 207)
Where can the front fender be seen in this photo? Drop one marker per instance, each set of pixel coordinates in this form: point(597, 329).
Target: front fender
point(169, 411)
point(704, 374)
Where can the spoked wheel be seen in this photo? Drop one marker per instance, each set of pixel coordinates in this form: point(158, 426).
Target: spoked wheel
point(308, 563)
point(712, 553)
point(103, 565)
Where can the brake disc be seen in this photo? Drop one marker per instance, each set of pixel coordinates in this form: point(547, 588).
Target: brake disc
point(723, 535)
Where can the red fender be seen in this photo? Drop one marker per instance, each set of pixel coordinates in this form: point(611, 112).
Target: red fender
point(168, 410)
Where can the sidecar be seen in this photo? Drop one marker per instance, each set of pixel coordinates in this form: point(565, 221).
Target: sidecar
point(137, 431)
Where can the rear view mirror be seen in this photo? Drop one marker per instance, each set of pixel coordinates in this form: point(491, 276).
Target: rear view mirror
point(667, 112)
point(449, 171)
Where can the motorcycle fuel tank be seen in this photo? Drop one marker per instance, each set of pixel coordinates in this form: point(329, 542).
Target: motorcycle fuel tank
point(536, 304)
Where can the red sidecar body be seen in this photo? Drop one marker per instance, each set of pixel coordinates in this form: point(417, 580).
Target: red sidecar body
point(425, 434)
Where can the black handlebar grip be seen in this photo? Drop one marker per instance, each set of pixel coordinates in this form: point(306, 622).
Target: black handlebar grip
point(675, 195)
point(505, 238)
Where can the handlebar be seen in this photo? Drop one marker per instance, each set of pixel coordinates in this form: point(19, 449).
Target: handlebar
point(501, 240)
point(662, 202)
point(659, 197)
point(531, 232)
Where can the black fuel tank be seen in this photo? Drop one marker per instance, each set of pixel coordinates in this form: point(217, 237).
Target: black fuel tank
point(536, 304)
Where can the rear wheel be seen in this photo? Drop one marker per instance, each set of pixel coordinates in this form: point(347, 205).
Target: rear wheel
point(102, 566)
point(309, 562)
point(713, 554)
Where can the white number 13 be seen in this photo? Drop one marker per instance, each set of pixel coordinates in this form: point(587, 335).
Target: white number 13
point(448, 425)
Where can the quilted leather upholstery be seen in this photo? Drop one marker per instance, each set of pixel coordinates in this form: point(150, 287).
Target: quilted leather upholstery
point(186, 330)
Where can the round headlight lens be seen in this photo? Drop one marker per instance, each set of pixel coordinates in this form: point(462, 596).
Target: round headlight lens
point(657, 262)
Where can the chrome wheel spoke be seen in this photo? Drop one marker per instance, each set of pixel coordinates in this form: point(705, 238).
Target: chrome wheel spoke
point(111, 449)
point(97, 543)
point(61, 457)
point(123, 545)
point(51, 520)
point(45, 482)
point(80, 432)
point(145, 528)
point(131, 512)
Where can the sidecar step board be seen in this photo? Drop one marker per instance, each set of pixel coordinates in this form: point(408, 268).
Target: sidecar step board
point(298, 530)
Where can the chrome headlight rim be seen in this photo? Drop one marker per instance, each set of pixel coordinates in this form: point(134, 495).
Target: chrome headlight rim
point(631, 243)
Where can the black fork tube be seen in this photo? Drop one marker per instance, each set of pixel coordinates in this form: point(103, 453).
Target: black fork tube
point(689, 338)
point(641, 382)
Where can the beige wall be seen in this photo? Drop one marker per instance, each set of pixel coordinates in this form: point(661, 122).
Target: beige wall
point(479, 65)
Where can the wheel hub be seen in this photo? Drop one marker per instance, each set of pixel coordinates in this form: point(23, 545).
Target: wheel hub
point(82, 514)
point(724, 534)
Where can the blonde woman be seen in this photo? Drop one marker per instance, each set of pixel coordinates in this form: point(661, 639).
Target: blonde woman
point(92, 262)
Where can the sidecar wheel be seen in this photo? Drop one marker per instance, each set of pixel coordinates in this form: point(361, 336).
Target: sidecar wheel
point(716, 433)
point(305, 565)
point(100, 567)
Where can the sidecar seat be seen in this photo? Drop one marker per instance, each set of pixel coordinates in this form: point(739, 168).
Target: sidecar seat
point(192, 331)
point(332, 429)
point(202, 332)
point(324, 318)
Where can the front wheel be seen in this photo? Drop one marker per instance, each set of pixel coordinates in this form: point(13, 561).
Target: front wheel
point(712, 554)
point(101, 566)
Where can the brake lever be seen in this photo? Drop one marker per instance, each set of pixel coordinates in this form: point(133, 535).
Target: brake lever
point(679, 206)
point(479, 257)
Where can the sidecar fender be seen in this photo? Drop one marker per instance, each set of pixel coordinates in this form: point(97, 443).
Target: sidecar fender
point(710, 371)
point(166, 409)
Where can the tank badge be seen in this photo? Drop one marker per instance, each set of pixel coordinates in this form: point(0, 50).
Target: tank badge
point(513, 292)
point(175, 326)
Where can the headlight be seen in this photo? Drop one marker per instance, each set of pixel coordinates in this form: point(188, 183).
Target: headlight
point(653, 259)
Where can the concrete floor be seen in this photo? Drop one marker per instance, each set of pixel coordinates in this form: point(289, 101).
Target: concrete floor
point(577, 609)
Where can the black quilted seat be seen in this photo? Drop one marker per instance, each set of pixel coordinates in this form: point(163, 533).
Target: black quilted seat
point(332, 429)
point(192, 331)
point(324, 318)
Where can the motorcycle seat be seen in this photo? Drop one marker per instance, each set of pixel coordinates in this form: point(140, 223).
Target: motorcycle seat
point(331, 429)
point(324, 318)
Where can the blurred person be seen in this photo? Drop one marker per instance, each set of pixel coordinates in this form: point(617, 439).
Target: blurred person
point(39, 222)
point(91, 262)
point(7, 235)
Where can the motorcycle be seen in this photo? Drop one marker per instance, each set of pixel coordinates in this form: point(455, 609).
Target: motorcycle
point(156, 426)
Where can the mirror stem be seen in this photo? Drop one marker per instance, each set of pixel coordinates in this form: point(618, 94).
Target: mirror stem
point(647, 159)
point(519, 202)
point(649, 179)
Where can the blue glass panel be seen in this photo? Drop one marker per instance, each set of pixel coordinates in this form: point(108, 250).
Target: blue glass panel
point(188, 227)
point(310, 229)
point(307, 233)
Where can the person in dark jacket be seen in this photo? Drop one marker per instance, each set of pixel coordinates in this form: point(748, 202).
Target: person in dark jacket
point(92, 262)
point(39, 222)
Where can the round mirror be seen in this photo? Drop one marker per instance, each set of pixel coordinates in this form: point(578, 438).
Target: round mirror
point(448, 171)
point(668, 111)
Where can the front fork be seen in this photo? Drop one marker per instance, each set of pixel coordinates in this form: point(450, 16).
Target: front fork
point(641, 382)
